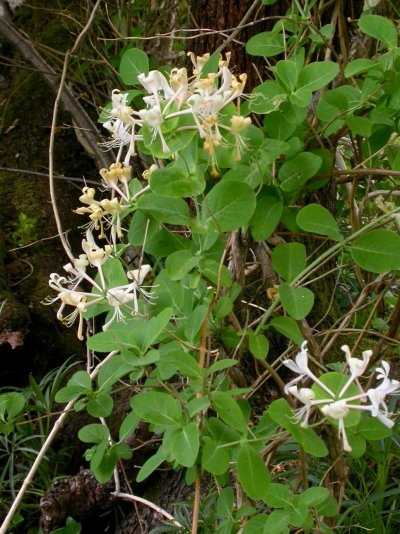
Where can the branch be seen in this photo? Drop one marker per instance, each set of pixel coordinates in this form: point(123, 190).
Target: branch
point(135, 498)
point(84, 124)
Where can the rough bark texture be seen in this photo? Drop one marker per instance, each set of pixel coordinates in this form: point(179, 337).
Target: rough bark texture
point(226, 15)
point(79, 497)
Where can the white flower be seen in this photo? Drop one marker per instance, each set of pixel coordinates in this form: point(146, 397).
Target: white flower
point(154, 83)
point(338, 410)
point(300, 366)
point(307, 397)
point(357, 367)
point(377, 395)
point(153, 118)
point(127, 294)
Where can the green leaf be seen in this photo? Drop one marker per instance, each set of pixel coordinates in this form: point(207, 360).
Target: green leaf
point(266, 44)
point(287, 73)
point(185, 444)
point(258, 345)
point(221, 365)
point(278, 495)
point(360, 126)
point(299, 513)
point(94, 433)
point(224, 307)
point(289, 260)
point(128, 425)
point(157, 408)
point(288, 328)
point(357, 443)
point(100, 406)
point(318, 220)
point(164, 209)
point(266, 217)
point(79, 384)
point(257, 525)
point(297, 301)
point(316, 75)
point(151, 465)
point(133, 62)
point(229, 410)
point(314, 496)
point(214, 460)
point(215, 272)
point(277, 522)
point(329, 508)
point(71, 527)
point(380, 28)
point(181, 262)
point(252, 473)
point(358, 66)
point(377, 251)
point(372, 429)
point(195, 321)
point(229, 205)
point(105, 468)
point(267, 97)
point(112, 371)
point(211, 65)
point(155, 326)
point(281, 413)
point(225, 502)
point(295, 172)
point(173, 181)
point(11, 404)
point(182, 362)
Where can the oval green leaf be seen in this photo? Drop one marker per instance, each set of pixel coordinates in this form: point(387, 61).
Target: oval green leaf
point(378, 251)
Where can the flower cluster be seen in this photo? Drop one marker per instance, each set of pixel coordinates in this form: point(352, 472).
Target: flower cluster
point(203, 103)
point(180, 103)
point(336, 405)
point(119, 300)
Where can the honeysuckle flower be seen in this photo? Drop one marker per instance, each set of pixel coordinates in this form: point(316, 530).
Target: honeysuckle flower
point(111, 177)
point(300, 366)
point(377, 395)
point(69, 297)
point(338, 407)
point(198, 62)
point(338, 410)
point(154, 83)
point(178, 80)
point(357, 367)
point(96, 255)
point(148, 172)
point(127, 294)
point(238, 124)
point(153, 118)
point(307, 397)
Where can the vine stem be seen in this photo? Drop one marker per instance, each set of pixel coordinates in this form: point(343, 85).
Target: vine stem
point(53, 130)
point(57, 425)
point(149, 504)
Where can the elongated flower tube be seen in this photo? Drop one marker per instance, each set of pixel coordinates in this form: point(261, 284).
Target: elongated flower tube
point(307, 397)
point(357, 367)
point(338, 410)
point(300, 366)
